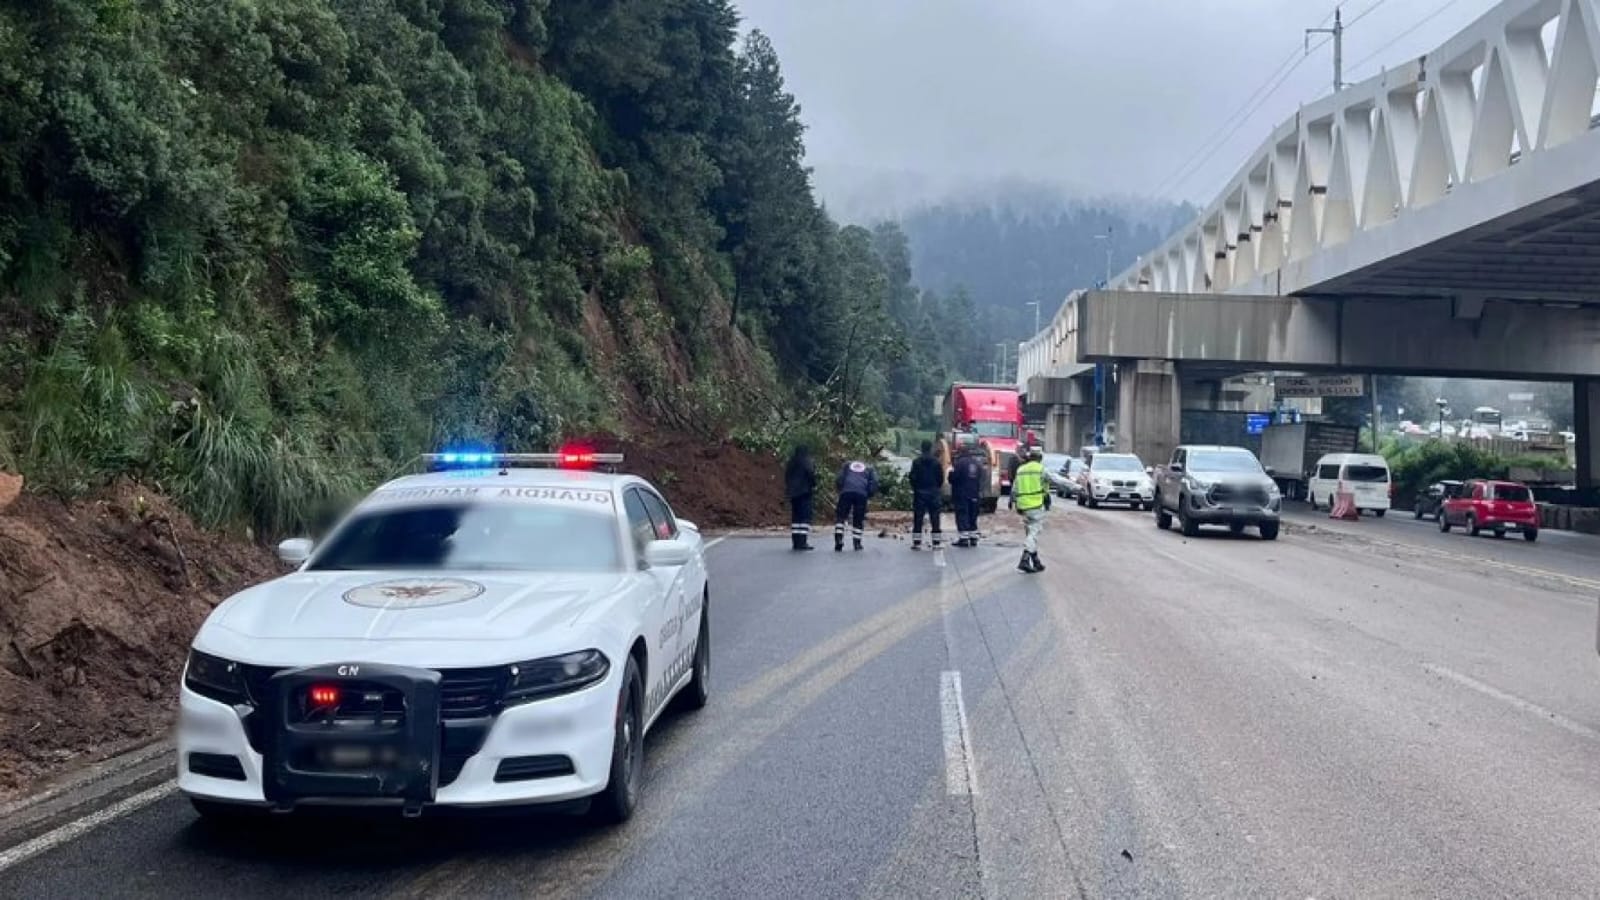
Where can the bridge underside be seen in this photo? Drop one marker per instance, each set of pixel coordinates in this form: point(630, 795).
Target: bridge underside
point(1548, 252)
point(1412, 335)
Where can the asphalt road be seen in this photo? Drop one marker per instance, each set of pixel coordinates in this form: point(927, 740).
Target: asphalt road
point(1344, 712)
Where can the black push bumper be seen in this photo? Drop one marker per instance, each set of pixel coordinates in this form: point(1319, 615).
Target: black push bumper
point(377, 743)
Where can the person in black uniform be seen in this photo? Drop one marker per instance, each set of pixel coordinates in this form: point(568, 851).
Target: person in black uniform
point(800, 483)
point(927, 488)
point(966, 488)
point(857, 482)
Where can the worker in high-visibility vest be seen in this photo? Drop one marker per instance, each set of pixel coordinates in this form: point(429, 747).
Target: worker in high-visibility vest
point(1030, 497)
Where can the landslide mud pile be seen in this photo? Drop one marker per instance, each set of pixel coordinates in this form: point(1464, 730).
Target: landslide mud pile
point(99, 599)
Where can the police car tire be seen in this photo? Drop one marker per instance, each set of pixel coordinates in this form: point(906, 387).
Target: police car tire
point(616, 803)
point(698, 690)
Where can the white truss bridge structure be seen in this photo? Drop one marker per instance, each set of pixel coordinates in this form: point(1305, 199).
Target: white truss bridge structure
point(1472, 171)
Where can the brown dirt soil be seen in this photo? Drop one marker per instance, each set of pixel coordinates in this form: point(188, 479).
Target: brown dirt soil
point(99, 599)
point(713, 484)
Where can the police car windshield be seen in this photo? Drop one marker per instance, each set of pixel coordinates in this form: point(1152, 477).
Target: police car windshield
point(478, 537)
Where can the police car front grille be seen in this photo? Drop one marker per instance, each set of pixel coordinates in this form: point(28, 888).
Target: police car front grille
point(463, 693)
point(470, 693)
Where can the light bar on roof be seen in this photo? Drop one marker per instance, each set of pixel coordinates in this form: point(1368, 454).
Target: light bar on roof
point(482, 460)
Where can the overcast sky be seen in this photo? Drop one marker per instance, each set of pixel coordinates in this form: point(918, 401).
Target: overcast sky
point(1107, 96)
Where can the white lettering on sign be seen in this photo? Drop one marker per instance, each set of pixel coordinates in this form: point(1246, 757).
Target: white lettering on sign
point(449, 492)
point(544, 493)
point(1319, 386)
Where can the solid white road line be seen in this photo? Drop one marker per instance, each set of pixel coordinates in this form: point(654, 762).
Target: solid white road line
point(1527, 706)
point(960, 778)
point(713, 542)
point(52, 839)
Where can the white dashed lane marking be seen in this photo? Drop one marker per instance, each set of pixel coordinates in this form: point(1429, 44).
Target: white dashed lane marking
point(960, 778)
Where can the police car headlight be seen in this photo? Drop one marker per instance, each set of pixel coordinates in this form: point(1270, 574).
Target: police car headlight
point(541, 678)
point(219, 679)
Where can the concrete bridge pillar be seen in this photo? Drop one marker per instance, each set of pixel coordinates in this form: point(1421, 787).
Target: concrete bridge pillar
point(1149, 408)
point(1586, 418)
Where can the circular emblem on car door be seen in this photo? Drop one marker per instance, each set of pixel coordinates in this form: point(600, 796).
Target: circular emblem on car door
point(413, 593)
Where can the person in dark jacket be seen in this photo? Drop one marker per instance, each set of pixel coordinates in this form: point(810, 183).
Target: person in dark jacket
point(966, 489)
point(857, 482)
point(800, 483)
point(927, 489)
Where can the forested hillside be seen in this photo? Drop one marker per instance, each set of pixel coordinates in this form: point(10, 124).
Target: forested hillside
point(1023, 244)
point(258, 252)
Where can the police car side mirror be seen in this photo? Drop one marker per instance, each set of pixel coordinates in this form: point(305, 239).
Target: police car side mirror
point(686, 525)
point(668, 553)
point(295, 551)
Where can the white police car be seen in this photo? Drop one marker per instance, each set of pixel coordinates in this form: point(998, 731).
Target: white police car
point(502, 630)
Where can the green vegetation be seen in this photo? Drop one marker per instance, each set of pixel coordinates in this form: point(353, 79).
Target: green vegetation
point(1414, 466)
point(260, 253)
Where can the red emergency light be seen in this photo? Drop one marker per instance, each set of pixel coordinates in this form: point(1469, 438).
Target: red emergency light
point(577, 457)
point(323, 695)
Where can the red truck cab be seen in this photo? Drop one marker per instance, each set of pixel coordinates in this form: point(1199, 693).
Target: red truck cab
point(993, 412)
point(1497, 506)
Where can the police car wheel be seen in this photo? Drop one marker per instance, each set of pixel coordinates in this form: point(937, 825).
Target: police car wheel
point(698, 690)
point(617, 802)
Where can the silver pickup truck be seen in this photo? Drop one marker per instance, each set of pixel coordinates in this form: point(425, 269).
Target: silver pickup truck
point(1212, 485)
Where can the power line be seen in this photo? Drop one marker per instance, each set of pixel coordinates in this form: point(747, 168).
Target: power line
point(1254, 103)
point(1438, 11)
point(1222, 130)
point(1246, 104)
point(1194, 167)
point(1364, 13)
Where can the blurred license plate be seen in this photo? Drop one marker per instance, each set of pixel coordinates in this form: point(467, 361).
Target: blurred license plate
point(358, 756)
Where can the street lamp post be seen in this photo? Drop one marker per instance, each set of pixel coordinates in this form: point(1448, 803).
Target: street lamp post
point(1443, 405)
point(1002, 346)
point(1110, 248)
point(1035, 305)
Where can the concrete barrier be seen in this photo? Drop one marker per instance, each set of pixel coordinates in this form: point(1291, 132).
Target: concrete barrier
point(1557, 517)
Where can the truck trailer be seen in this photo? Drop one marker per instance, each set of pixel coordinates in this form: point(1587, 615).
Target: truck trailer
point(1290, 452)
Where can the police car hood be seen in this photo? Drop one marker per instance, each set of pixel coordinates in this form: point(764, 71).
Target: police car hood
point(395, 606)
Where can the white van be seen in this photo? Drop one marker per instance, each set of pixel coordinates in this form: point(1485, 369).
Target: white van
point(1366, 475)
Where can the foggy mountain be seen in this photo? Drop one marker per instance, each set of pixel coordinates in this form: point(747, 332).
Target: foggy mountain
point(1005, 241)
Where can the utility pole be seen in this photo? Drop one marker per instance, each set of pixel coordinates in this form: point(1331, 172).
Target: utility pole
point(1003, 369)
point(1035, 305)
point(1110, 249)
point(1338, 46)
point(1372, 387)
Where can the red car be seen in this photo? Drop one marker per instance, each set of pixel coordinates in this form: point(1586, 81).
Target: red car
point(1497, 506)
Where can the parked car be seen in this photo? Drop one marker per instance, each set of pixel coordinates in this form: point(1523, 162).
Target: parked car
point(1431, 500)
point(1497, 506)
point(1115, 478)
point(1206, 485)
point(1070, 472)
point(1364, 475)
